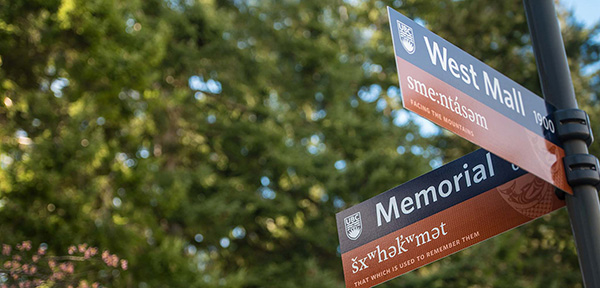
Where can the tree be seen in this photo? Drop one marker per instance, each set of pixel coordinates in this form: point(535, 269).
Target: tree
point(210, 143)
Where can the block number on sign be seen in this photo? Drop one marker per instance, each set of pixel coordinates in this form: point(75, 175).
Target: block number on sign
point(544, 121)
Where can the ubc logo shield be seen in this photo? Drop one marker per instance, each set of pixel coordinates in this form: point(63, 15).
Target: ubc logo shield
point(353, 225)
point(407, 38)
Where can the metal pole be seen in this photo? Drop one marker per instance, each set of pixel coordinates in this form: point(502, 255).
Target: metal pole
point(583, 206)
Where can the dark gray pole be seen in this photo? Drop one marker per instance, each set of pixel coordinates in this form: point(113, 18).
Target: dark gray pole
point(557, 86)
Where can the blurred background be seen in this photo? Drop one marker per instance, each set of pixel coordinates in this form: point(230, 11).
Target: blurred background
point(211, 142)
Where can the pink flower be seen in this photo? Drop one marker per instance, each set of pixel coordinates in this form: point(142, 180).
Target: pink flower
point(7, 265)
point(26, 245)
point(6, 249)
point(123, 264)
point(82, 247)
point(83, 284)
point(90, 252)
point(105, 255)
point(67, 267)
point(58, 276)
point(115, 260)
point(35, 258)
point(72, 249)
point(111, 260)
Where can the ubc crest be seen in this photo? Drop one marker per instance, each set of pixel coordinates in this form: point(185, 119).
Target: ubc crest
point(407, 38)
point(353, 224)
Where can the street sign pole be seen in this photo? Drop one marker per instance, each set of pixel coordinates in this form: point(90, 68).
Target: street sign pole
point(557, 87)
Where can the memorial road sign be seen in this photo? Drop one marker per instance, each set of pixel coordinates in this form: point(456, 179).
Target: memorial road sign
point(453, 89)
point(437, 214)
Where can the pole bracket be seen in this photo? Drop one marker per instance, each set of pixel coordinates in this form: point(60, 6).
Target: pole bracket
point(582, 169)
point(573, 124)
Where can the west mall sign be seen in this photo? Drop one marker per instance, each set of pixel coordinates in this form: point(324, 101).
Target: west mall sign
point(453, 89)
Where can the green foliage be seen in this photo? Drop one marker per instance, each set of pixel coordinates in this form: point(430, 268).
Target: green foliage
point(211, 142)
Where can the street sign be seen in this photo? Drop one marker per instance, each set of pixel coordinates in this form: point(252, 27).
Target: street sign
point(453, 89)
point(437, 214)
